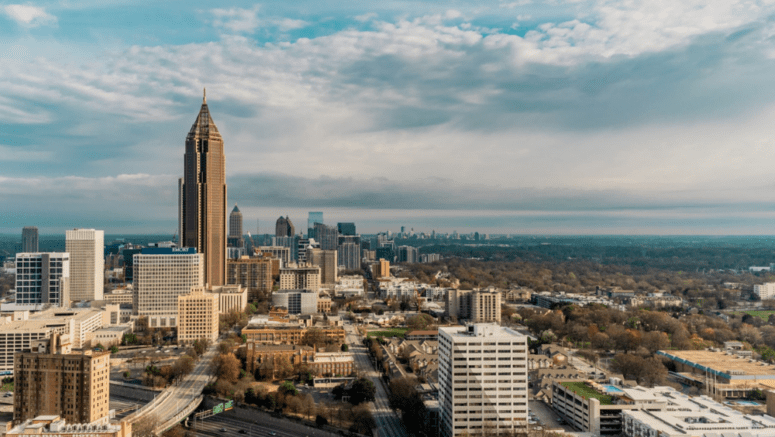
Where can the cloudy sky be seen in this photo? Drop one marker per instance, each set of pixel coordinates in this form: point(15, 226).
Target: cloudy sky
point(595, 117)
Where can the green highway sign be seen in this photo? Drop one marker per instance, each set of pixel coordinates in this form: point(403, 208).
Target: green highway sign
point(218, 409)
point(229, 405)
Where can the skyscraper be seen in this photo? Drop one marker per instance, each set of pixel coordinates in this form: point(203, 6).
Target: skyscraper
point(235, 228)
point(314, 217)
point(87, 263)
point(346, 228)
point(43, 278)
point(284, 227)
point(203, 199)
point(327, 236)
point(482, 380)
point(29, 239)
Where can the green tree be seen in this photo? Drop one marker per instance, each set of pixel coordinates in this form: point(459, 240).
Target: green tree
point(362, 390)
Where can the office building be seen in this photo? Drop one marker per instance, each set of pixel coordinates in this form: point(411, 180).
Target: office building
point(327, 261)
point(283, 253)
point(349, 255)
point(300, 277)
point(408, 254)
point(29, 239)
point(203, 205)
point(230, 298)
point(765, 291)
point(314, 217)
point(284, 227)
point(302, 246)
point(235, 228)
point(73, 386)
point(326, 236)
point(129, 262)
point(296, 301)
point(198, 316)
point(474, 306)
point(482, 380)
point(87, 263)
point(161, 275)
point(56, 426)
point(43, 278)
point(386, 252)
point(346, 228)
point(292, 243)
point(255, 274)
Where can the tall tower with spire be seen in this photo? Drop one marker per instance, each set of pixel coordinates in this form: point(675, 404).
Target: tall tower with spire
point(203, 196)
point(235, 228)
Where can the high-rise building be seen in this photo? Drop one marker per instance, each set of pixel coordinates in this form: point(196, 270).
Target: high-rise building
point(408, 254)
point(73, 386)
point(314, 217)
point(300, 278)
point(326, 260)
point(482, 380)
point(283, 253)
point(253, 273)
point(161, 275)
point(346, 228)
point(349, 255)
point(29, 239)
point(284, 227)
point(235, 228)
point(87, 263)
point(198, 316)
point(43, 278)
point(292, 243)
point(327, 236)
point(474, 306)
point(302, 246)
point(204, 196)
point(381, 269)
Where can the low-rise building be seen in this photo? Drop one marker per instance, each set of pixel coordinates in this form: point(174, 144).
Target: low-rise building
point(230, 297)
point(349, 286)
point(264, 331)
point(296, 301)
point(765, 291)
point(324, 305)
point(259, 354)
point(55, 426)
point(333, 363)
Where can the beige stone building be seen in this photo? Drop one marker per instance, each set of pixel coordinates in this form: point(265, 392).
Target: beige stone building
point(324, 305)
point(300, 277)
point(198, 316)
point(381, 269)
point(253, 273)
point(286, 333)
point(230, 298)
point(203, 196)
point(333, 364)
point(56, 426)
point(475, 306)
point(73, 386)
point(87, 263)
point(281, 252)
point(259, 354)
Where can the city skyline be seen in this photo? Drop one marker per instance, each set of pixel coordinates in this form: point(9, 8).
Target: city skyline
point(500, 117)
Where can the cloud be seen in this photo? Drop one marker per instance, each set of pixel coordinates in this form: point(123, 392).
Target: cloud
point(365, 17)
point(237, 19)
point(29, 16)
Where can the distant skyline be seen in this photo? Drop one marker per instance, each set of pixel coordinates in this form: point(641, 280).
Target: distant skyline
point(524, 117)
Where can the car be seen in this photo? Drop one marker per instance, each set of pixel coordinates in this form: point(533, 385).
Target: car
point(272, 433)
point(242, 431)
point(223, 430)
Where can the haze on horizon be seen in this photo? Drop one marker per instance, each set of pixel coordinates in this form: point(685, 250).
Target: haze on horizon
point(578, 117)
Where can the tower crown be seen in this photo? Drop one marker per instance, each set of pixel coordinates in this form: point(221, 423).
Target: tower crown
point(204, 125)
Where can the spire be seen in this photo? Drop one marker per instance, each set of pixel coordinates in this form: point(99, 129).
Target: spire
point(204, 96)
point(235, 208)
point(204, 124)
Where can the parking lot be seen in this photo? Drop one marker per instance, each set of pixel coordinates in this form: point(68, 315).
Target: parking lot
point(545, 417)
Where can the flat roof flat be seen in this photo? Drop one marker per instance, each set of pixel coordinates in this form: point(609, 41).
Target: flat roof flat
point(721, 363)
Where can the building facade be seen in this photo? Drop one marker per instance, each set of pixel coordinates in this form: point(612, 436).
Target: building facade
point(349, 255)
point(197, 316)
point(482, 380)
point(253, 273)
point(326, 236)
point(296, 301)
point(161, 275)
point(73, 386)
point(765, 291)
point(300, 278)
point(283, 253)
point(475, 306)
point(235, 228)
point(55, 426)
point(203, 196)
point(43, 278)
point(29, 239)
point(346, 228)
point(284, 227)
point(408, 254)
point(312, 218)
point(327, 261)
point(87, 263)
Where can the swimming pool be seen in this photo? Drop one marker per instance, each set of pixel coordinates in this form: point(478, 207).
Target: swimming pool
point(612, 389)
point(748, 403)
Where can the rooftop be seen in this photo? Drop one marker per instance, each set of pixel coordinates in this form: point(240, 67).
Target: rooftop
point(726, 365)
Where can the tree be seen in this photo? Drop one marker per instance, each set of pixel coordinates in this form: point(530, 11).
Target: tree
point(201, 345)
point(287, 387)
point(362, 420)
point(227, 367)
point(419, 322)
point(345, 347)
point(314, 337)
point(362, 390)
point(145, 427)
point(114, 349)
point(183, 366)
point(225, 346)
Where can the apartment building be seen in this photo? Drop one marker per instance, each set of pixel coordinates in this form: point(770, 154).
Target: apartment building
point(327, 261)
point(87, 263)
point(300, 277)
point(43, 278)
point(282, 253)
point(198, 316)
point(73, 386)
point(473, 305)
point(765, 291)
point(161, 275)
point(381, 269)
point(482, 380)
point(254, 273)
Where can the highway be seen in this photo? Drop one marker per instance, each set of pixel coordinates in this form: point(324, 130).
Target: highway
point(388, 423)
point(180, 396)
point(262, 424)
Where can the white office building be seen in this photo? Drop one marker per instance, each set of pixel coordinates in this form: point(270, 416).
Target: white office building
point(161, 275)
point(765, 291)
point(296, 301)
point(42, 278)
point(482, 380)
point(87, 263)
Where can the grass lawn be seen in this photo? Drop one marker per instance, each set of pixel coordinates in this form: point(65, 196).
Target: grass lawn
point(585, 391)
point(392, 332)
point(7, 387)
point(764, 315)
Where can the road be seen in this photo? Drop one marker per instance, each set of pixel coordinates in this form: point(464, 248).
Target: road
point(179, 396)
point(388, 423)
point(262, 425)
